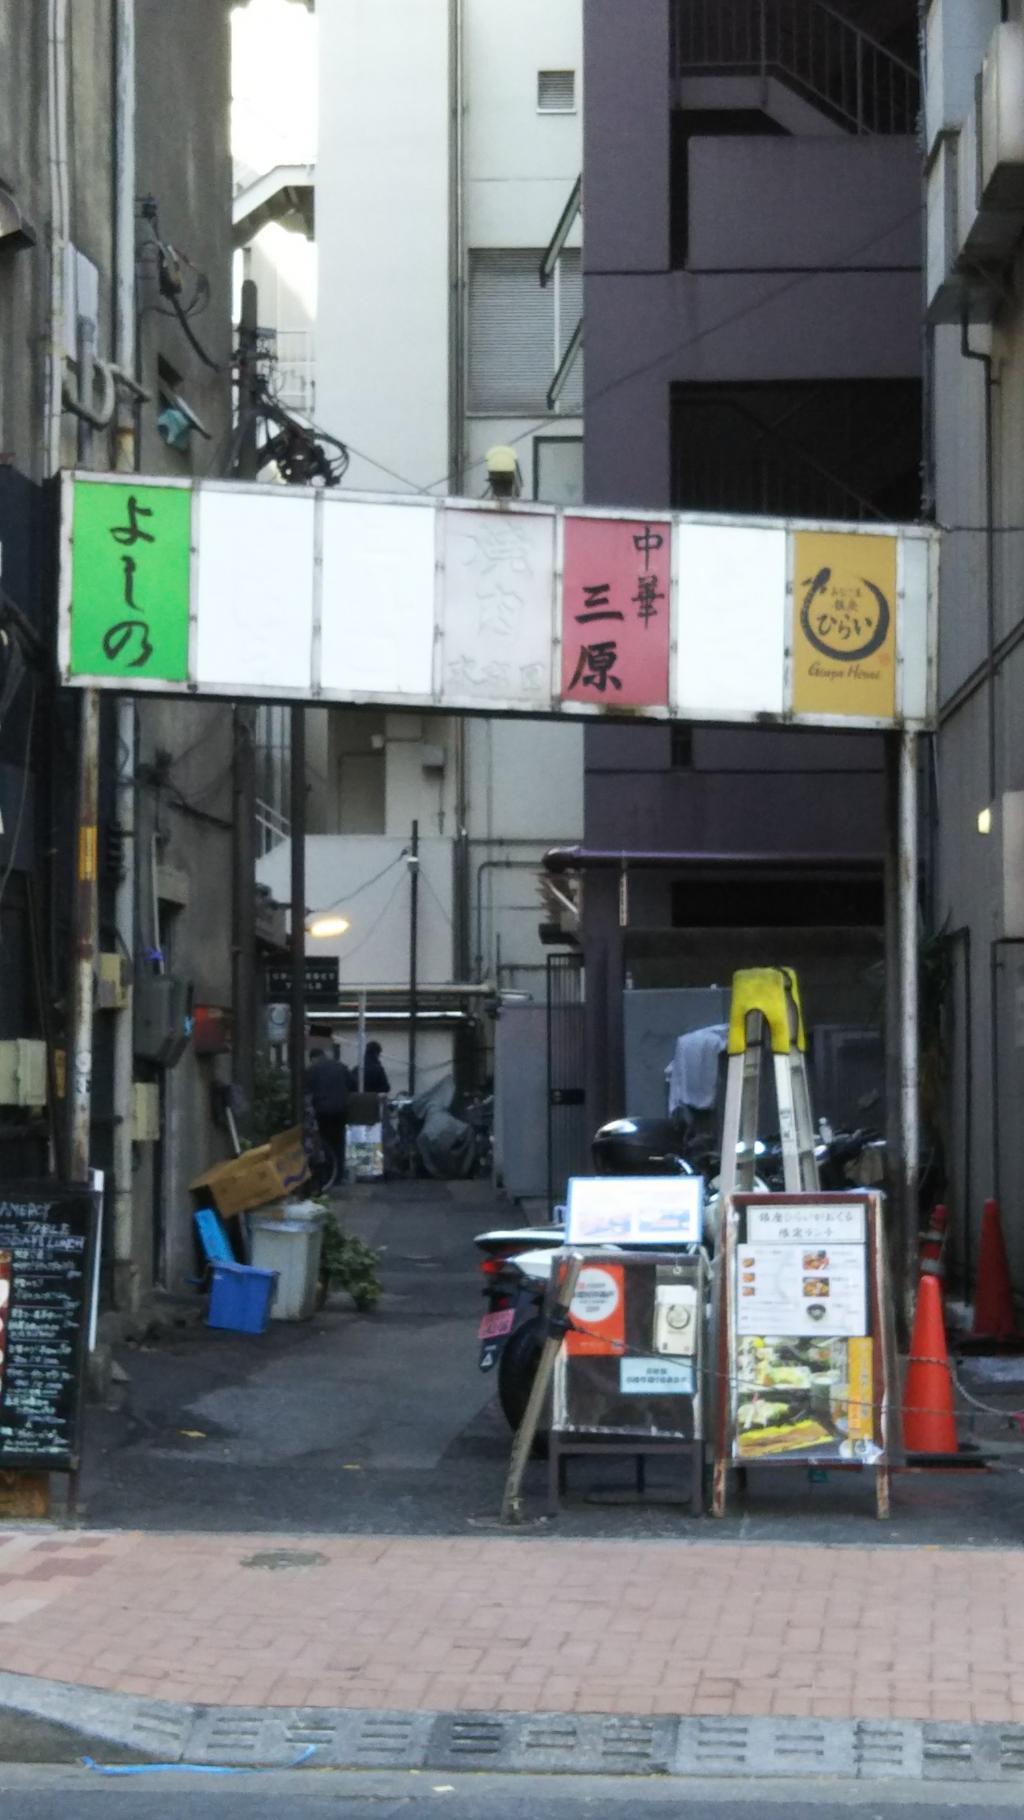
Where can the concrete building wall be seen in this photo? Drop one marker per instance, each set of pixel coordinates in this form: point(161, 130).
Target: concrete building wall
point(182, 838)
point(979, 876)
point(382, 206)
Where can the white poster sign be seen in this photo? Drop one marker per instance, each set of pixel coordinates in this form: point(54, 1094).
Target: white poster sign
point(378, 592)
point(255, 590)
point(635, 1210)
point(499, 593)
point(801, 1290)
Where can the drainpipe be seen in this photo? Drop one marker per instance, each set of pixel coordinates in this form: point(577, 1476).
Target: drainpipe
point(494, 865)
point(985, 360)
point(126, 1273)
point(60, 225)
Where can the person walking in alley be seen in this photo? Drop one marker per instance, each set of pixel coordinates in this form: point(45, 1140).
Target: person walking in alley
point(328, 1086)
point(375, 1078)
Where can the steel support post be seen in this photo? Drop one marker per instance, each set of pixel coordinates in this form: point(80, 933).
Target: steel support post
point(297, 1037)
point(86, 926)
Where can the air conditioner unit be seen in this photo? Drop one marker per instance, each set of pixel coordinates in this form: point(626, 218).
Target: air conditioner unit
point(990, 188)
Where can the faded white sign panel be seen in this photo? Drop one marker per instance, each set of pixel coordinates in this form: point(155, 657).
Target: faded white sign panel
point(913, 631)
point(498, 618)
point(255, 591)
point(730, 622)
point(379, 587)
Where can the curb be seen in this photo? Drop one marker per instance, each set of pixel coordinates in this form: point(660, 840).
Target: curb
point(538, 1743)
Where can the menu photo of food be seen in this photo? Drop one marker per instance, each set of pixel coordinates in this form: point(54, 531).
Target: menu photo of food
point(815, 1260)
point(816, 1287)
point(792, 1397)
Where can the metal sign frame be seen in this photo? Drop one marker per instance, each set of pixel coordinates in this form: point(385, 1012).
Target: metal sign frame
point(882, 1452)
point(914, 656)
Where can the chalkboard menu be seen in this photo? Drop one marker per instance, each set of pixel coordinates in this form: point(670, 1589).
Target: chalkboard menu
point(47, 1240)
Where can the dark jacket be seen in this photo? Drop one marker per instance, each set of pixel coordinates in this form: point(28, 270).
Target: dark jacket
point(375, 1078)
point(327, 1083)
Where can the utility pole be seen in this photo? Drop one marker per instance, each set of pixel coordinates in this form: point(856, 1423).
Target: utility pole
point(243, 991)
point(297, 1043)
point(414, 926)
point(86, 930)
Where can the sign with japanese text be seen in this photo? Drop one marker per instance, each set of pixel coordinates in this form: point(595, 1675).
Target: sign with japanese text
point(231, 589)
point(615, 611)
point(844, 624)
point(130, 581)
point(805, 1334)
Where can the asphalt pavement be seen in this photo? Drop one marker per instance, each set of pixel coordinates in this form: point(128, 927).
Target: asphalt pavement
point(381, 1423)
point(80, 1794)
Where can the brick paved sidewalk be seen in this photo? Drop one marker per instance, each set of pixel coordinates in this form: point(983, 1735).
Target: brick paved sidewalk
point(521, 1625)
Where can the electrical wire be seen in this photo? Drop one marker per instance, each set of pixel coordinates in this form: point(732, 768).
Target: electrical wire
point(19, 818)
point(347, 896)
point(350, 953)
point(677, 347)
point(431, 887)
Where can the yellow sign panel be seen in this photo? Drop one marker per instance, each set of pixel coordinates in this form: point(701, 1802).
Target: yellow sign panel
point(844, 624)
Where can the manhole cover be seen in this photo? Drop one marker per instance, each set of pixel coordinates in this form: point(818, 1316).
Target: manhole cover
point(274, 1559)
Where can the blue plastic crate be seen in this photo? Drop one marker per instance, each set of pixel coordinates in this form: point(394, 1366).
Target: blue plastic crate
point(240, 1297)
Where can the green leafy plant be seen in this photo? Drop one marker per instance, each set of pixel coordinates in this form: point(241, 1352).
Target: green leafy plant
point(349, 1263)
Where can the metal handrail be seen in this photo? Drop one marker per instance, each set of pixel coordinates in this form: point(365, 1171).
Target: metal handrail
point(809, 47)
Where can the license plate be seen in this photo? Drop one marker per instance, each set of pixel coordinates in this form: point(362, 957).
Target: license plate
point(494, 1325)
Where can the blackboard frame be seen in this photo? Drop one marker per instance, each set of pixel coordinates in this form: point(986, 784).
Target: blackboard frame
point(79, 1207)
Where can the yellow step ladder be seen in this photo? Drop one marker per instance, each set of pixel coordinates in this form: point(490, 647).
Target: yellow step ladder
point(766, 1002)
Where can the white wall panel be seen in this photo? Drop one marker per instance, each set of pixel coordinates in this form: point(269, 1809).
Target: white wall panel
point(377, 623)
point(730, 622)
point(255, 590)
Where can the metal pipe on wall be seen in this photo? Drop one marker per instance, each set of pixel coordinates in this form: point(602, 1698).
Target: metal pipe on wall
point(414, 932)
point(297, 1040)
point(126, 457)
point(910, 1132)
point(60, 227)
point(85, 933)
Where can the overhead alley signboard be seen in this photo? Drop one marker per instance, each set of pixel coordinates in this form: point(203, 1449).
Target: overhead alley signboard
point(223, 588)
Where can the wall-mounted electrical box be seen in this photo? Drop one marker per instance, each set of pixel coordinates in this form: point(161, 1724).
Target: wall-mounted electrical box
point(22, 1072)
point(163, 1018)
point(113, 977)
point(145, 1112)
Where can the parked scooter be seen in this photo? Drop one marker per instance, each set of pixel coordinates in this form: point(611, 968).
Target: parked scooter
point(516, 1262)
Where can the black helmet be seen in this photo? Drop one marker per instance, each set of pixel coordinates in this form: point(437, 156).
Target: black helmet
point(639, 1147)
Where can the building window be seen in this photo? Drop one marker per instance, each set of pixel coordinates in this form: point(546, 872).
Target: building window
point(518, 332)
point(558, 470)
point(556, 91)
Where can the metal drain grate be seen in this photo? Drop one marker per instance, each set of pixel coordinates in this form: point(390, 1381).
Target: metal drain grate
point(882, 1750)
point(722, 1744)
point(384, 1739)
point(1011, 1754)
point(467, 1738)
point(559, 1736)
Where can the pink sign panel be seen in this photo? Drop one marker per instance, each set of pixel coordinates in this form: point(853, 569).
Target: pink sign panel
point(615, 612)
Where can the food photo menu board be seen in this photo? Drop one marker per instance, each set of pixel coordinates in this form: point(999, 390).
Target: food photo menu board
point(805, 1335)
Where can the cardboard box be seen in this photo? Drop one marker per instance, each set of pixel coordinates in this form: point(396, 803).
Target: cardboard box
point(270, 1173)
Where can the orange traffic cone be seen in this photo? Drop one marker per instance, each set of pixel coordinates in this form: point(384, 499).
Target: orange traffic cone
point(994, 1317)
point(933, 1242)
point(929, 1424)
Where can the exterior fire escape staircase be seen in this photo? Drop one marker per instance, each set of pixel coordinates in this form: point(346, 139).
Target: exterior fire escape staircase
point(815, 54)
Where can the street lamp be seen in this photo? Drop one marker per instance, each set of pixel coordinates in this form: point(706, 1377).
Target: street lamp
point(322, 927)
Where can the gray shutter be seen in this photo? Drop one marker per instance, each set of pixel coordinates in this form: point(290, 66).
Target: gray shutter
point(512, 330)
point(571, 264)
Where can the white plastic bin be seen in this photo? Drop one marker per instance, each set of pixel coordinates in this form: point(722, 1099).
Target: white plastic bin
point(292, 1248)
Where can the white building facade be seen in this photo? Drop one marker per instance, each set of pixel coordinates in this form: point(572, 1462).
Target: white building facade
point(446, 173)
point(975, 273)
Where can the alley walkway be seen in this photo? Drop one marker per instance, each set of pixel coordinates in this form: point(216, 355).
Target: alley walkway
point(535, 1626)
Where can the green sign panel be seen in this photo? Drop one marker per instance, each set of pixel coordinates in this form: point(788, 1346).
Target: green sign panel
point(130, 581)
